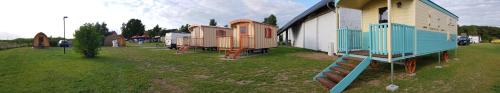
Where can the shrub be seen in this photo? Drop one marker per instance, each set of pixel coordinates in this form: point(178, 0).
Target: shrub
point(87, 40)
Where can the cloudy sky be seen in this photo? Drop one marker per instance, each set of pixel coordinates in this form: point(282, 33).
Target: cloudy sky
point(24, 18)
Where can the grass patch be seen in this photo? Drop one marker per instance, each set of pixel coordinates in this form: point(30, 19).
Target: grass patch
point(138, 69)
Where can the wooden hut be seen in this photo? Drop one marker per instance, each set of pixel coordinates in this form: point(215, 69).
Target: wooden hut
point(206, 36)
point(41, 41)
point(108, 40)
point(122, 42)
point(248, 35)
point(183, 44)
point(392, 31)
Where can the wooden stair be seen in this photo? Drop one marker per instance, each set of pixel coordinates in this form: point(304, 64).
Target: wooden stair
point(183, 49)
point(233, 53)
point(340, 74)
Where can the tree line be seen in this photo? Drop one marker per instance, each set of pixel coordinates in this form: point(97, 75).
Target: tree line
point(487, 33)
point(134, 27)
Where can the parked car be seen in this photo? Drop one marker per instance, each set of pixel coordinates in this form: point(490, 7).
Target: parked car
point(63, 43)
point(463, 41)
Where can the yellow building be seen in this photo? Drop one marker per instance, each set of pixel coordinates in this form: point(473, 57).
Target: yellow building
point(391, 31)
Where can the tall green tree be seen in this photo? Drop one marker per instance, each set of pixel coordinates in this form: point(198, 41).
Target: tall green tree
point(184, 29)
point(487, 33)
point(101, 28)
point(271, 20)
point(87, 40)
point(155, 31)
point(132, 27)
point(212, 22)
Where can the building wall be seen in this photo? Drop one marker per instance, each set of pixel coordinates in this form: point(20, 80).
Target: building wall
point(259, 40)
point(428, 18)
point(318, 32)
point(403, 15)
point(205, 36)
point(311, 34)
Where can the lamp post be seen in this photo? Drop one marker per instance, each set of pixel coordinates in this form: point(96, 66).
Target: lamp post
point(64, 27)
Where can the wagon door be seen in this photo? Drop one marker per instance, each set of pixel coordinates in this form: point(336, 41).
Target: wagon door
point(243, 37)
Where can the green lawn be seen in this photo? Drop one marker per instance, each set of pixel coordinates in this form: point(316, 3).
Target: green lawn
point(137, 69)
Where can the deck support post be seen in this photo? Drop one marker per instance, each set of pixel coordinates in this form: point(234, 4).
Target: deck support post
point(456, 51)
point(336, 43)
point(439, 61)
point(392, 86)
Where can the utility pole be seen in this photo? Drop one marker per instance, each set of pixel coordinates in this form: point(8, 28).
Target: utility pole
point(64, 27)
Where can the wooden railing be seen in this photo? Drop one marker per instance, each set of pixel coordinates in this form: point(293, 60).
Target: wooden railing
point(402, 39)
point(349, 40)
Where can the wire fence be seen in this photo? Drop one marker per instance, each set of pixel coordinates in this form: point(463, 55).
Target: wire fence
point(7, 45)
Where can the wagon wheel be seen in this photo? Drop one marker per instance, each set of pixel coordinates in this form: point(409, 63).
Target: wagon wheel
point(374, 64)
point(410, 65)
point(445, 56)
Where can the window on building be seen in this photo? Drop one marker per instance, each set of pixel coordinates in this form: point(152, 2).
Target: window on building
point(243, 29)
point(268, 33)
point(220, 33)
point(383, 15)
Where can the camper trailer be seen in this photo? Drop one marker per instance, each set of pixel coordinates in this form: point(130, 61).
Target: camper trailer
point(391, 31)
point(248, 36)
point(171, 39)
point(206, 36)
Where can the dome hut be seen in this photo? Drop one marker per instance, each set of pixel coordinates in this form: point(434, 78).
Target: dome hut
point(41, 41)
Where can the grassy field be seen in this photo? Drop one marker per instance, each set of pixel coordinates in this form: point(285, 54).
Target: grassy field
point(146, 69)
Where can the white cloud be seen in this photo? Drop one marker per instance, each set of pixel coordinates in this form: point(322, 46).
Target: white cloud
point(25, 18)
point(476, 12)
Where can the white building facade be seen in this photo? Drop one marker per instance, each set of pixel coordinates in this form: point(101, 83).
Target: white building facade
point(316, 29)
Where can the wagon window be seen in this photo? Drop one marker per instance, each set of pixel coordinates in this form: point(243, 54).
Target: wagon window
point(268, 33)
point(383, 15)
point(220, 33)
point(243, 29)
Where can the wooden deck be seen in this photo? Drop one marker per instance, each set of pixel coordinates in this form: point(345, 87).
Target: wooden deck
point(367, 53)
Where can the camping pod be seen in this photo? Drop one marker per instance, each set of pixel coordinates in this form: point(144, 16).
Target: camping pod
point(249, 34)
point(108, 40)
point(41, 41)
point(206, 36)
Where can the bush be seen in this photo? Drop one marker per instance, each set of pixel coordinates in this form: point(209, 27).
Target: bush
point(87, 40)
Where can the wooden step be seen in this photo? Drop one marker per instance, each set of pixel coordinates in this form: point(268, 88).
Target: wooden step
point(342, 71)
point(352, 66)
point(333, 76)
point(326, 83)
point(353, 58)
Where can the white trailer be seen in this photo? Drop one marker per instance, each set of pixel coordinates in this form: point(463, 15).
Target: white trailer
point(171, 39)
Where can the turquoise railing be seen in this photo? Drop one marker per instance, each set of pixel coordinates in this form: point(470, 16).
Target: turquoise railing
point(378, 38)
point(402, 38)
point(349, 39)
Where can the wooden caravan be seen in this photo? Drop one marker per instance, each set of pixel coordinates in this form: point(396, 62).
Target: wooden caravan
point(108, 40)
point(41, 41)
point(392, 31)
point(206, 36)
point(183, 44)
point(248, 35)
